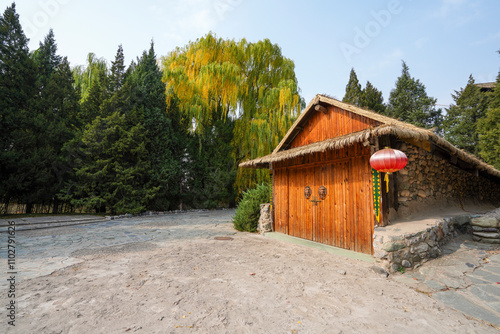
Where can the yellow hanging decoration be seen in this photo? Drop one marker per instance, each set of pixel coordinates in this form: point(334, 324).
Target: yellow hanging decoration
point(386, 179)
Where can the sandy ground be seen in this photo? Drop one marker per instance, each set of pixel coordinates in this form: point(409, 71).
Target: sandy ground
point(250, 284)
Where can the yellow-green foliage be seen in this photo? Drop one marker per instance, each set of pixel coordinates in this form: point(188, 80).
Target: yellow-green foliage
point(253, 83)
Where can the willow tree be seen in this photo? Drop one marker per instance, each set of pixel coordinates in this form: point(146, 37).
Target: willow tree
point(253, 84)
point(86, 75)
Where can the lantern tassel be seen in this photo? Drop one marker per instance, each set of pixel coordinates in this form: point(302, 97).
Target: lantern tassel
point(386, 179)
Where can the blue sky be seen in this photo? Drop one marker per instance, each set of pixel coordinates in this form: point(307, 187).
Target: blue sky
point(442, 42)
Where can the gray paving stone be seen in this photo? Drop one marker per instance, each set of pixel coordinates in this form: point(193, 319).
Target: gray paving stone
point(494, 269)
point(495, 306)
point(494, 258)
point(492, 278)
point(463, 304)
point(435, 285)
point(493, 289)
point(482, 294)
point(477, 280)
point(481, 272)
point(451, 283)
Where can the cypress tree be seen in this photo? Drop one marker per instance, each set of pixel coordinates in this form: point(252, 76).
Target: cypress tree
point(112, 167)
point(46, 59)
point(489, 130)
point(162, 144)
point(461, 120)
point(52, 113)
point(409, 102)
point(353, 92)
point(17, 90)
point(371, 98)
point(117, 75)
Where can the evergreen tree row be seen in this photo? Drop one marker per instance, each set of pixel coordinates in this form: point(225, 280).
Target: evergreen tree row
point(102, 138)
point(471, 123)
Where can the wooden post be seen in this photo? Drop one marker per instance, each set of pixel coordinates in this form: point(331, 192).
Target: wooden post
point(271, 171)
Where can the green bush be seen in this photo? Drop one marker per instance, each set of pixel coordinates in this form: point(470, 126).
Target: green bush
point(248, 211)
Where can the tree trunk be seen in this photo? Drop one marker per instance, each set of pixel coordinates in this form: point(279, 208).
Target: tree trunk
point(29, 208)
point(55, 209)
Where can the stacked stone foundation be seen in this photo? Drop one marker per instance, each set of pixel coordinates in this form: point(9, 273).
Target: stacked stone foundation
point(410, 251)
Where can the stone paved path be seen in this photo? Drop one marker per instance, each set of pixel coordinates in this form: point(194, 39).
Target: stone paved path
point(41, 252)
point(466, 277)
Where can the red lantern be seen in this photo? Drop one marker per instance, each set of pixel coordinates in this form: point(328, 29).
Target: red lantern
point(388, 161)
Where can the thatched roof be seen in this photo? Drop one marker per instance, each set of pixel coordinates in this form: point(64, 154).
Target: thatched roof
point(487, 85)
point(388, 126)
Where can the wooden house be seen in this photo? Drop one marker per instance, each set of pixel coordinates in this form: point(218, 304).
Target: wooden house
point(323, 184)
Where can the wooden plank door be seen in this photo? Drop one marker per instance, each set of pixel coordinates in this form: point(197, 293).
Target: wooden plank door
point(281, 200)
point(344, 218)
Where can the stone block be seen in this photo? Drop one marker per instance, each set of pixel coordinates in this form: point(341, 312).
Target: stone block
point(485, 222)
point(405, 193)
point(431, 242)
point(395, 267)
point(490, 241)
point(406, 264)
point(422, 194)
point(423, 247)
point(434, 253)
point(380, 254)
point(265, 222)
point(461, 220)
point(380, 271)
point(489, 235)
point(485, 229)
point(393, 246)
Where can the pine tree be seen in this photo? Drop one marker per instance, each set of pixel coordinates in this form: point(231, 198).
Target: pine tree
point(353, 92)
point(164, 148)
point(61, 128)
point(51, 116)
point(409, 102)
point(117, 75)
point(489, 130)
point(112, 167)
point(17, 90)
point(46, 59)
point(461, 120)
point(371, 98)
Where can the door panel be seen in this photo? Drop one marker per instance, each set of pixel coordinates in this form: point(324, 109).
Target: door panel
point(344, 218)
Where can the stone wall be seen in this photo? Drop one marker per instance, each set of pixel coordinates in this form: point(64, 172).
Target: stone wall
point(429, 177)
point(411, 250)
point(486, 229)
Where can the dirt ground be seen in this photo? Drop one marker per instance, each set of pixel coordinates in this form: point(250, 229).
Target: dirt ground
point(250, 284)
